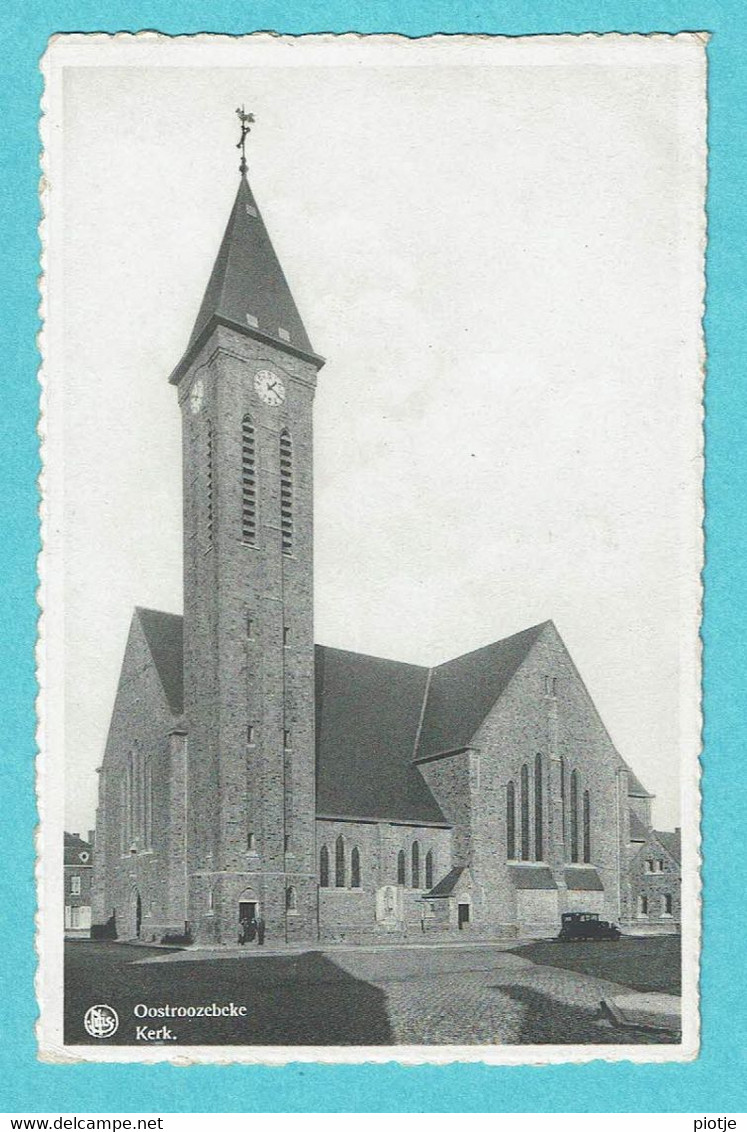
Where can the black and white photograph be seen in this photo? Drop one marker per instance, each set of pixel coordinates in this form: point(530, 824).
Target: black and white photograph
point(371, 430)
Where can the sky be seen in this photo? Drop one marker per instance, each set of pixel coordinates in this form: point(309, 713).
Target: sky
point(499, 255)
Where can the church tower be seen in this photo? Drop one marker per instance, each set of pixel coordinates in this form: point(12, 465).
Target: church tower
point(246, 388)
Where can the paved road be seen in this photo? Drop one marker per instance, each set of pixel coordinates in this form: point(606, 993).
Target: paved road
point(463, 995)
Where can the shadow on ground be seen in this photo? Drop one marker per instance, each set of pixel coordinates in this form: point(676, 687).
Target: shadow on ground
point(546, 1021)
point(652, 963)
point(291, 1000)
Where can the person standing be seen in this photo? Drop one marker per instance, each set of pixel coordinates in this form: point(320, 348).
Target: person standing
point(260, 931)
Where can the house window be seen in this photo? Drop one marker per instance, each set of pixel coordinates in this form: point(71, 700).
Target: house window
point(355, 869)
point(286, 492)
point(539, 848)
point(415, 879)
point(643, 905)
point(429, 869)
point(401, 879)
point(574, 815)
point(324, 867)
point(75, 917)
point(291, 900)
point(75, 886)
point(525, 844)
point(339, 863)
point(511, 821)
point(667, 904)
point(587, 826)
point(248, 481)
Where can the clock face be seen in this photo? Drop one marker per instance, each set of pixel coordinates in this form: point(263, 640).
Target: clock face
point(196, 395)
point(269, 386)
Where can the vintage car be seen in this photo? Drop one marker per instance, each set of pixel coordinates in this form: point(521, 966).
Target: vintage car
point(586, 925)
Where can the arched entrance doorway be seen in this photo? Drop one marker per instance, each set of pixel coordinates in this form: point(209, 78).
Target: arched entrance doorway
point(248, 912)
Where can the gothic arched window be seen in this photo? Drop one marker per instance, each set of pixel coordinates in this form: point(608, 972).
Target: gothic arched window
point(324, 867)
point(574, 815)
point(539, 846)
point(401, 867)
point(511, 822)
point(355, 869)
point(291, 900)
point(248, 481)
point(587, 826)
point(339, 863)
point(415, 879)
point(525, 813)
point(286, 492)
point(429, 869)
point(209, 483)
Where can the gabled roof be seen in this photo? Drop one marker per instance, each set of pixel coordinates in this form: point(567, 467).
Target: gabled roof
point(638, 831)
point(247, 279)
point(164, 637)
point(446, 886)
point(463, 691)
point(531, 876)
point(367, 714)
point(672, 842)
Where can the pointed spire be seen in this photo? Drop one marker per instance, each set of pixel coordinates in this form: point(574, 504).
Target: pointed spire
point(247, 286)
point(247, 289)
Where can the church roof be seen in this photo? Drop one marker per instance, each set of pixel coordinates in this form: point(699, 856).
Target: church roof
point(367, 715)
point(638, 831)
point(532, 876)
point(163, 634)
point(635, 789)
point(446, 886)
point(672, 842)
point(462, 691)
point(247, 286)
point(583, 880)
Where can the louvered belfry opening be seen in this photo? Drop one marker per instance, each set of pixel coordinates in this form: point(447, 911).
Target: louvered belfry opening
point(286, 492)
point(248, 481)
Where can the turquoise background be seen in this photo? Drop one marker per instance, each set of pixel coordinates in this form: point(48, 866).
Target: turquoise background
point(716, 1081)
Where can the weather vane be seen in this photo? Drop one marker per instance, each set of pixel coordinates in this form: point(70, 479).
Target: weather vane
point(246, 125)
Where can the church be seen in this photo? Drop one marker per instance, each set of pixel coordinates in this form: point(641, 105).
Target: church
point(338, 796)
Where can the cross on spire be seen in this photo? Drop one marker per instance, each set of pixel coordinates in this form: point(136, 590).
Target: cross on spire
point(246, 121)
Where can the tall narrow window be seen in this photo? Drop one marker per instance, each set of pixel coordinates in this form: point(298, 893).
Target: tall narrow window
point(429, 869)
point(587, 826)
point(324, 867)
point(643, 905)
point(291, 900)
point(539, 845)
point(148, 805)
point(574, 815)
point(511, 822)
point(415, 879)
point(339, 863)
point(248, 481)
point(286, 492)
point(209, 484)
point(401, 867)
point(562, 802)
point(525, 844)
point(667, 904)
point(355, 869)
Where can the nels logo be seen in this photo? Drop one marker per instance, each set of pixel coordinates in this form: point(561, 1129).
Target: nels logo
point(101, 1021)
